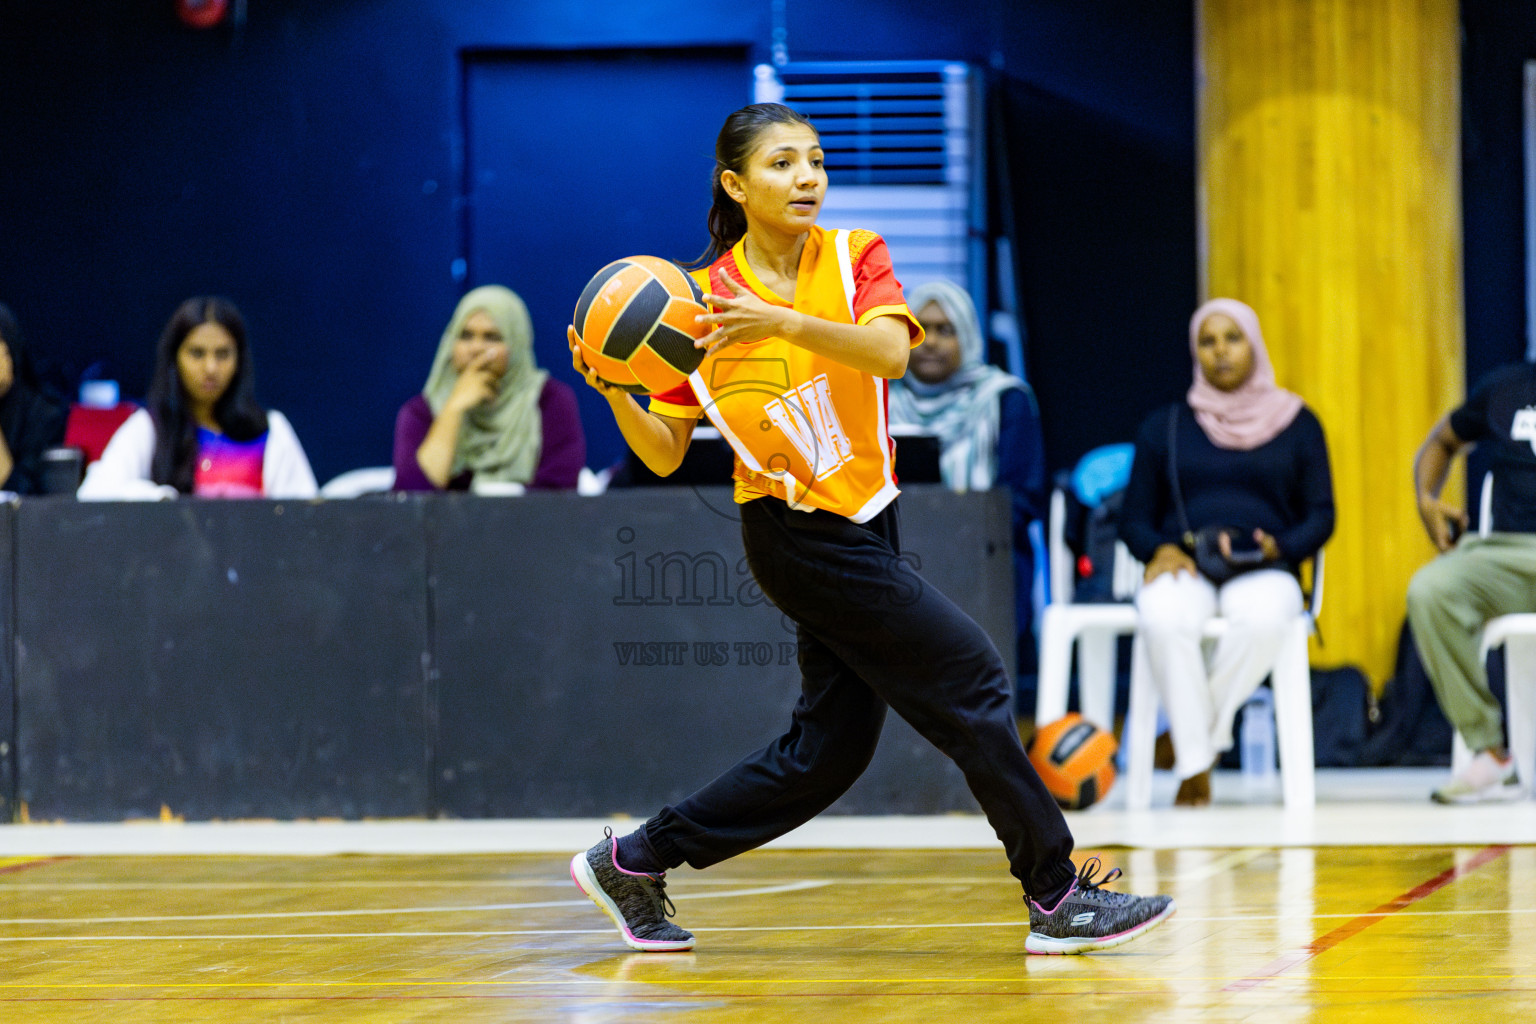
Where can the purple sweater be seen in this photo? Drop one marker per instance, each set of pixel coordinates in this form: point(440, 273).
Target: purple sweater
point(564, 449)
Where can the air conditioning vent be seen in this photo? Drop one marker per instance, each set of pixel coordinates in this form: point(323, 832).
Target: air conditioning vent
point(899, 141)
point(889, 131)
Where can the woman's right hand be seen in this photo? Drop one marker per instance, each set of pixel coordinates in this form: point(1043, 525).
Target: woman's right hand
point(1437, 517)
point(1169, 558)
point(477, 384)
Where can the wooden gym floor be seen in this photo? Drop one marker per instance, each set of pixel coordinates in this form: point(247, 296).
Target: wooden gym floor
point(1284, 926)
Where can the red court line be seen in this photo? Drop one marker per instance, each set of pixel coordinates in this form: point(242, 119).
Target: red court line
point(13, 868)
point(1354, 927)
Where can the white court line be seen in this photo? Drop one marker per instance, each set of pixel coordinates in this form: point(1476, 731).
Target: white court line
point(769, 891)
point(386, 911)
point(504, 883)
point(554, 882)
point(1217, 866)
point(508, 933)
point(1395, 815)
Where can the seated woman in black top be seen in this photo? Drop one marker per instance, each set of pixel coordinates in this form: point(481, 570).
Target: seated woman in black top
point(1250, 456)
point(31, 417)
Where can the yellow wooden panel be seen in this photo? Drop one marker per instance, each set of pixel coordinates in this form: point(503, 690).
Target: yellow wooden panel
point(1330, 202)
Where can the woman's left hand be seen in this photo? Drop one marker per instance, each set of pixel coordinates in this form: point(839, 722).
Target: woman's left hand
point(1267, 544)
point(579, 364)
point(740, 316)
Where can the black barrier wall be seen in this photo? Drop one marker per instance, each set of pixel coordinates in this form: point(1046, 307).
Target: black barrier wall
point(610, 656)
point(7, 661)
point(221, 659)
point(428, 655)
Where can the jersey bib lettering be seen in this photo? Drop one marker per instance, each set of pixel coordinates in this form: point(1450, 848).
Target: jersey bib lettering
point(807, 417)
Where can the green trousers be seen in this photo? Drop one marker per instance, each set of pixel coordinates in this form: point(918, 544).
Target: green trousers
point(1449, 600)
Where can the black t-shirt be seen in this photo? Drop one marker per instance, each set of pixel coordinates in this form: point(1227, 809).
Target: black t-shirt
point(1283, 486)
point(1500, 416)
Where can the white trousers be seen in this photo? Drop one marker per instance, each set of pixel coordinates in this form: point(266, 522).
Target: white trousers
point(1202, 696)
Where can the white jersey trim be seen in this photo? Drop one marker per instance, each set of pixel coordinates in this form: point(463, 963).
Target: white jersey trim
point(874, 506)
point(845, 267)
point(889, 491)
point(701, 390)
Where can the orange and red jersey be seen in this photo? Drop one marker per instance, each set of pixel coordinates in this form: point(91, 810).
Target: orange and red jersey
point(805, 428)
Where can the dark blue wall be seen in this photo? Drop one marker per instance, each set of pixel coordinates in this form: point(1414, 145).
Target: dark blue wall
point(310, 167)
point(1497, 39)
point(1094, 140)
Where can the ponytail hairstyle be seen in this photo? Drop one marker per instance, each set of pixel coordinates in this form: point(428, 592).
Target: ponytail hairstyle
point(737, 139)
point(236, 411)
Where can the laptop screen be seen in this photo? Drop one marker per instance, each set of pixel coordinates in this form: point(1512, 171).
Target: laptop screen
point(917, 456)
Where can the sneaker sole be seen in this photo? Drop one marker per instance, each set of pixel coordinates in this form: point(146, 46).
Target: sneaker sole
point(1496, 795)
point(1046, 945)
point(586, 881)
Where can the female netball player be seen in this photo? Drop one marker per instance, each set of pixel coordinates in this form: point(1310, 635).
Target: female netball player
point(808, 326)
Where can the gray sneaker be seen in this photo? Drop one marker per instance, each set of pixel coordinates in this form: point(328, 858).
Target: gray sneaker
point(1088, 918)
point(1485, 778)
point(637, 902)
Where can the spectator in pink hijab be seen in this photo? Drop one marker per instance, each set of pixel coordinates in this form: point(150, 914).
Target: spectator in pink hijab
point(1248, 457)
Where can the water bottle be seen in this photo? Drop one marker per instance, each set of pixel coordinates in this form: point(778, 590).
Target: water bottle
point(1258, 741)
point(99, 394)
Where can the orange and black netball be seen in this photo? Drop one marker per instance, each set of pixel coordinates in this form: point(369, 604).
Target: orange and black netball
point(635, 321)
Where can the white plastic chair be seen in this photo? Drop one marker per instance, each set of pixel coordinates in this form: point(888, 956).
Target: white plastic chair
point(1093, 629)
point(1517, 635)
point(590, 484)
point(355, 483)
point(1291, 681)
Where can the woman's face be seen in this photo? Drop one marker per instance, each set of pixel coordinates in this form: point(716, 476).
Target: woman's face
point(938, 357)
point(1224, 352)
point(480, 338)
point(206, 362)
point(784, 181)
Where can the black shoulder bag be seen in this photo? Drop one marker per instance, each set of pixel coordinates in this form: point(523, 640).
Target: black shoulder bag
point(1204, 545)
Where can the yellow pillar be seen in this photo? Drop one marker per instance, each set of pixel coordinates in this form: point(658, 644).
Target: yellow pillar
point(1330, 202)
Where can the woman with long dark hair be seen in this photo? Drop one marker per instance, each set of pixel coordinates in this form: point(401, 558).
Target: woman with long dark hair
point(809, 326)
point(32, 417)
point(203, 432)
